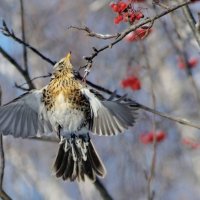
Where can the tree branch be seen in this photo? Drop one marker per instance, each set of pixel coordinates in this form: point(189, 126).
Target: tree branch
point(102, 190)
point(23, 35)
point(149, 176)
point(121, 35)
point(93, 34)
point(18, 67)
point(11, 34)
point(192, 22)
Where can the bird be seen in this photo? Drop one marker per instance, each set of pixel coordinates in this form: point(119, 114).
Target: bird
point(72, 110)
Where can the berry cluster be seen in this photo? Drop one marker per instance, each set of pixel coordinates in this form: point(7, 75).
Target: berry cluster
point(138, 34)
point(191, 143)
point(125, 12)
point(192, 62)
point(131, 82)
point(147, 138)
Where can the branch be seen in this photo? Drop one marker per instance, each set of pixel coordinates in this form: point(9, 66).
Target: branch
point(11, 34)
point(180, 51)
point(192, 23)
point(149, 176)
point(121, 35)
point(23, 35)
point(35, 78)
point(18, 67)
point(102, 190)
point(93, 34)
point(3, 194)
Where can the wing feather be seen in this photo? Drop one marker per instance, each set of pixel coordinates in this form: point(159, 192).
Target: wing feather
point(20, 117)
point(110, 116)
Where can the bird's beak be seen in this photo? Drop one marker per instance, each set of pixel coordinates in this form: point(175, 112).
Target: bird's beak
point(68, 56)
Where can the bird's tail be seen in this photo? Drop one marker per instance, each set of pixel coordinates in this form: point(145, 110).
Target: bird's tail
point(78, 158)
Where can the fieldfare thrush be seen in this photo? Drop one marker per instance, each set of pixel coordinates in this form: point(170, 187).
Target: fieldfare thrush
point(70, 108)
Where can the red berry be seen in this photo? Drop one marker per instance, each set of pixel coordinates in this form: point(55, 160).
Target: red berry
point(138, 34)
point(131, 82)
point(132, 17)
point(146, 138)
point(118, 19)
point(149, 137)
point(193, 62)
point(115, 8)
point(111, 4)
point(160, 136)
point(139, 15)
point(190, 143)
point(122, 6)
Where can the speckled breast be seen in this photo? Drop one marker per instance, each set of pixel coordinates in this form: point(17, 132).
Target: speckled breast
point(66, 106)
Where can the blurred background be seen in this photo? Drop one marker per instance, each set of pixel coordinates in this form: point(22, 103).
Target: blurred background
point(165, 64)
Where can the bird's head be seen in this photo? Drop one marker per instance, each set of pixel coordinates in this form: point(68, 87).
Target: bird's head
point(64, 63)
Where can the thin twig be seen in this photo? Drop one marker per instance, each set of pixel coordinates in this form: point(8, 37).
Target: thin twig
point(158, 3)
point(35, 78)
point(103, 191)
point(11, 34)
point(149, 176)
point(18, 67)
point(182, 55)
point(93, 34)
point(23, 35)
point(3, 194)
point(192, 22)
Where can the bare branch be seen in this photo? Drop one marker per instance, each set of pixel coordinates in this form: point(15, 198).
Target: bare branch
point(18, 67)
point(11, 34)
point(23, 35)
point(35, 78)
point(182, 54)
point(150, 176)
point(102, 190)
point(93, 34)
point(192, 23)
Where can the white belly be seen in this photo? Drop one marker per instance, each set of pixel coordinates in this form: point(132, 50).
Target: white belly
point(68, 118)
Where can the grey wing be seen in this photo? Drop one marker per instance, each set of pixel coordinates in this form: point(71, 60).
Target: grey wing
point(22, 116)
point(110, 117)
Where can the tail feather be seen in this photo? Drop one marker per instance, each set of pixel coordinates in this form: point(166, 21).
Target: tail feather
point(69, 168)
point(95, 161)
point(89, 170)
point(78, 158)
point(60, 171)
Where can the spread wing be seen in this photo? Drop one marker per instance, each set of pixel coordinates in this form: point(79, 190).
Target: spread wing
point(23, 117)
point(110, 117)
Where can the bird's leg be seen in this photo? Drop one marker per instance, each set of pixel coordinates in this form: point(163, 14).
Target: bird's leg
point(58, 132)
point(72, 141)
